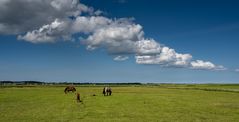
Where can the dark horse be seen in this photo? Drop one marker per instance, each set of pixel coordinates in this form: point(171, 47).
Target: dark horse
point(107, 91)
point(69, 88)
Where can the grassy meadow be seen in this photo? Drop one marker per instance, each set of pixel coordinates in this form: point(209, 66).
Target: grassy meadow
point(182, 103)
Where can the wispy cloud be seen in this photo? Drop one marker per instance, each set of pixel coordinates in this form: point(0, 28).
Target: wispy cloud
point(121, 58)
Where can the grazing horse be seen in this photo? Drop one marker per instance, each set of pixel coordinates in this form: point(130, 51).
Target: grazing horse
point(69, 88)
point(107, 91)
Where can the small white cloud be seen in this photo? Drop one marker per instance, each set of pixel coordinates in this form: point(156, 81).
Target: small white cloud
point(237, 70)
point(121, 58)
point(205, 65)
point(98, 12)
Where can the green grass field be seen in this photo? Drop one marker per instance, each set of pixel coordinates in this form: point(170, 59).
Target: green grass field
point(185, 103)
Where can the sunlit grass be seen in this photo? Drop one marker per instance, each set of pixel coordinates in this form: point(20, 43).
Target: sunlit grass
point(141, 103)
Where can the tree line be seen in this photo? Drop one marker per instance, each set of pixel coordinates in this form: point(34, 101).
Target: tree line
point(63, 83)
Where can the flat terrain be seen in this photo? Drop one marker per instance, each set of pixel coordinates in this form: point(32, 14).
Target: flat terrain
point(185, 103)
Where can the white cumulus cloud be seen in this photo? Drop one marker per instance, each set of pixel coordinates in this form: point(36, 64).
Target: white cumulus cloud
point(166, 57)
point(63, 29)
point(205, 65)
point(20, 16)
point(147, 46)
point(47, 33)
point(48, 21)
point(116, 38)
point(89, 24)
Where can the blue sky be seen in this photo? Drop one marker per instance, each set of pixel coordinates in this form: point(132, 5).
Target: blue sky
point(205, 30)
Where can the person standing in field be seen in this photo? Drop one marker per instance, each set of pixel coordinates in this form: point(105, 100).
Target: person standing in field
point(78, 97)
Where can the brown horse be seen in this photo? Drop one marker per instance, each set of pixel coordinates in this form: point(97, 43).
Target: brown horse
point(107, 91)
point(69, 88)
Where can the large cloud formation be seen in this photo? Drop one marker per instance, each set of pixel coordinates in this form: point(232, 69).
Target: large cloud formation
point(18, 16)
point(49, 21)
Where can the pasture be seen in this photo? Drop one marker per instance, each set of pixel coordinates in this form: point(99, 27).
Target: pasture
point(182, 103)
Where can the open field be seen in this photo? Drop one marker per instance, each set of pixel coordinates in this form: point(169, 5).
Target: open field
point(185, 103)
